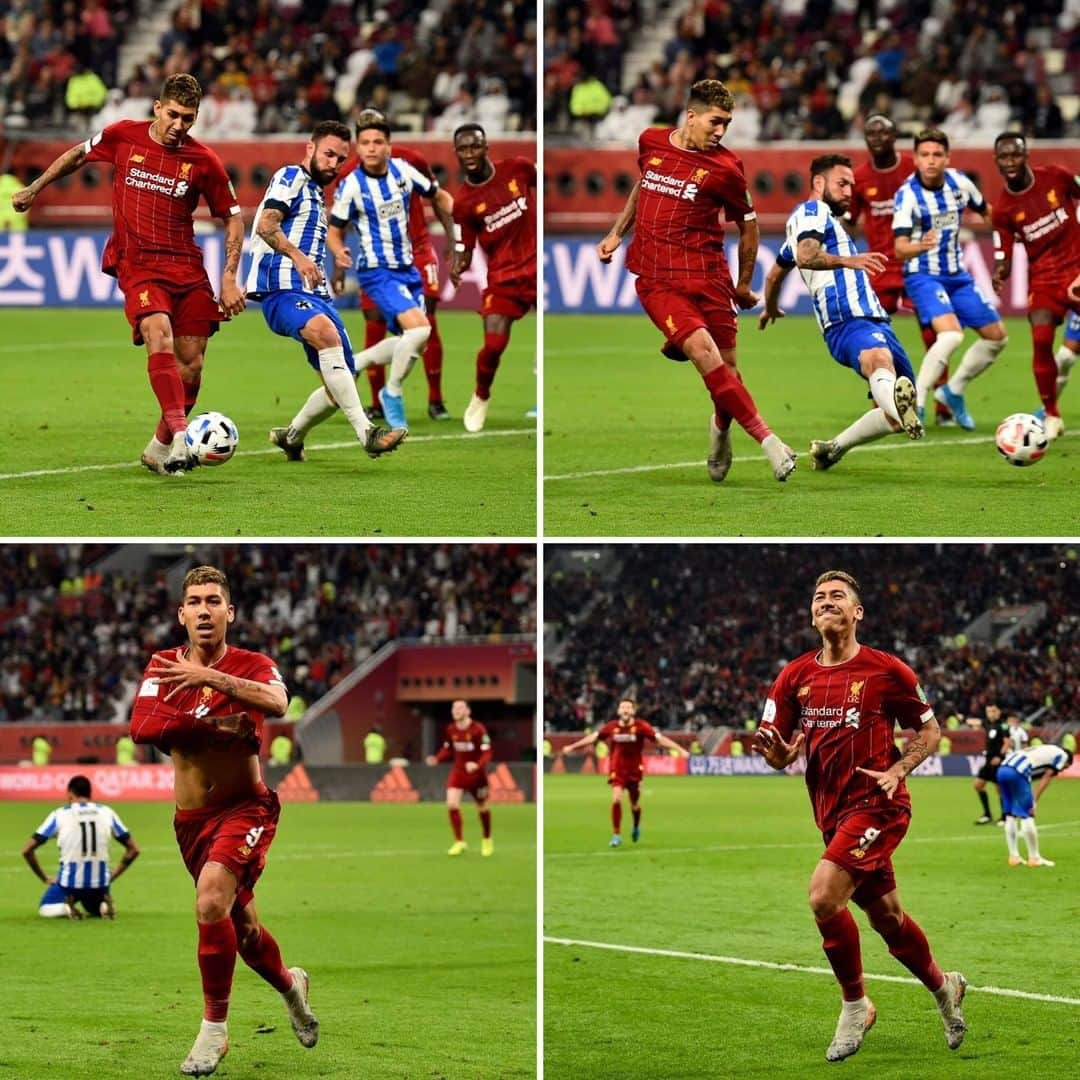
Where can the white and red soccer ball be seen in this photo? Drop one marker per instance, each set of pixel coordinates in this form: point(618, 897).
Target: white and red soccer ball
point(212, 438)
point(1021, 439)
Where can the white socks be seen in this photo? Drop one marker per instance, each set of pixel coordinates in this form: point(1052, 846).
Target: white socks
point(407, 348)
point(314, 411)
point(1010, 837)
point(1031, 837)
point(380, 353)
point(342, 386)
point(935, 362)
point(870, 426)
point(976, 360)
point(882, 384)
point(1065, 358)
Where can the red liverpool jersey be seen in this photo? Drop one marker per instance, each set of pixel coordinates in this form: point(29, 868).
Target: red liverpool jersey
point(180, 721)
point(627, 741)
point(155, 192)
point(1042, 217)
point(678, 232)
point(500, 215)
point(466, 744)
point(848, 713)
point(872, 200)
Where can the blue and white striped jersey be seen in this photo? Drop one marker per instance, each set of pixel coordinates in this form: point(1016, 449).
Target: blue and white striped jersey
point(918, 209)
point(379, 208)
point(295, 194)
point(82, 833)
point(837, 295)
point(1037, 760)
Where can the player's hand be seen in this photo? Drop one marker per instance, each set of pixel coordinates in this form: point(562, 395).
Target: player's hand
point(888, 781)
point(22, 200)
point(608, 246)
point(471, 766)
point(239, 724)
point(767, 316)
point(233, 298)
point(343, 260)
point(873, 262)
point(337, 282)
point(1074, 288)
point(431, 759)
point(50, 879)
point(770, 744)
point(929, 240)
point(745, 298)
point(310, 274)
point(182, 674)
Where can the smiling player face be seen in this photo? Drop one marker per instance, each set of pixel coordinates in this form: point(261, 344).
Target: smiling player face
point(172, 122)
point(626, 712)
point(205, 614)
point(834, 609)
point(703, 130)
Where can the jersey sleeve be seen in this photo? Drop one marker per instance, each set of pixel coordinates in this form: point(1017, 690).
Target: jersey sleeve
point(446, 751)
point(485, 747)
point(975, 198)
point(781, 709)
point(1004, 237)
point(607, 730)
point(785, 256)
point(526, 171)
point(735, 195)
point(103, 145)
point(903, 219)
point(811, 220)
point(463, 217)
point(47, 828)
point(218, 189)
point(907, 699)
point(263, 670)
point(344, 209)
point(426, 185)
point(119, 829)
point(283, 188)
point(647, 730)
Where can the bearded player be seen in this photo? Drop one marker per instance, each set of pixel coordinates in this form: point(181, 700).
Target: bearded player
point(160, 173)
point(495, 208)
point(626, 737)
point(204, 703)
point(847, 699)
point(689, 186)
point(1037, 207)
point(468, 744)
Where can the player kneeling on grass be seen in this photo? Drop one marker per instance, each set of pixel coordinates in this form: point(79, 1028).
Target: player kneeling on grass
point(847, 698)
point(288, 278)
point(82, 829)
point(1014, 777)
point(469, 745)
point(856, 327)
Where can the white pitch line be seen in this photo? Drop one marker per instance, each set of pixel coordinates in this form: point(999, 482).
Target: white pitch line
point(877, 448)
point(738, 961)
point(351, 445)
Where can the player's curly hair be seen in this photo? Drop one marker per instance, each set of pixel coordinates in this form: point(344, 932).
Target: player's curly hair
point(183, 89)
point(206, 575)
point(845, 577)
point(710, 94)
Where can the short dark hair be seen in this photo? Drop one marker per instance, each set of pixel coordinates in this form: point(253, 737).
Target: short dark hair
point(206, 575)
point(710, 94)
point(80, 786)
point(461, 129)
point(932, 135)
point(887, 120)
point(183, 89)
point(372, 118)
point(1005, 136)
point(822, 164)
point(840, 575)
point(330, 127)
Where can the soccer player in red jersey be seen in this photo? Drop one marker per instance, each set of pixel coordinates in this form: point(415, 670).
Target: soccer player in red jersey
point(203, 703)
point(847, 699)
point(684, 282)
point(1037, 207)
point(626, 738)
point(160, 173)
point(469, 745)
point(495, 208)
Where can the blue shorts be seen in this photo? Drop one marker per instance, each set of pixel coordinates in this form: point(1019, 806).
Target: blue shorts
point(393, 292)
point(89, 898)
point(951, 294)
point(1016, 797)
point(287, 313)
point(847, 339)
point(1072, 328)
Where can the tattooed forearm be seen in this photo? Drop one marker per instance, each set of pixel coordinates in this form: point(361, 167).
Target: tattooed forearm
point(918, 750)
point(233, 248)
point(267, 699)
point(810, 255)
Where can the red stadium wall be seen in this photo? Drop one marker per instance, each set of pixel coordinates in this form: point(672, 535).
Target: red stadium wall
point(583, 192)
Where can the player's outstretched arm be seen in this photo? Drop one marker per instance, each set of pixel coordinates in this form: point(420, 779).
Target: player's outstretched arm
point(773, 283)
point(131, 853)
point(66, 163)
point(919, 748)
point(623, 224)
point(583, 743)
point(183, 674)
point(463, 252)
point(671, 744)
point(770, 744)
point(1044, 783)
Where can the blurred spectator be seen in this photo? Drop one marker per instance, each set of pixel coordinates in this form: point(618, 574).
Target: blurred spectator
point(85, 93)
point(1045, 120)
point(590, 100)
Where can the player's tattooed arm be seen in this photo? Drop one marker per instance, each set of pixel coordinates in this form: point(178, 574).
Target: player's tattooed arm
point(749, 237)
point(810, 255)
point(233, 297)
point(623, 224)
point(271, 700)
point(919, 748)
point(66, 163)
point(268, 228)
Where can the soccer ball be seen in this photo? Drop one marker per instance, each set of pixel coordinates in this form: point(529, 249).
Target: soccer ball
point(1021, 439)
point(212, 437)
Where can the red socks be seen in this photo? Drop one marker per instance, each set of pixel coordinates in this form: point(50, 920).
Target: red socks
point(264, 958)
point(840, 940)
point(1045, 367)
point(909, 945)
point(731, 398)
point(168, 389)
point(433, 353)
point(374, 332)
point(455, 823)
point(487, 362)
point(616, 816)
point(217, 959)
point(485, 823)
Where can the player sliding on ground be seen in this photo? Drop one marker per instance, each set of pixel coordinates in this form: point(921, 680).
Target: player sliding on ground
point(626, 737)
point(847, 699)
point(856, 327)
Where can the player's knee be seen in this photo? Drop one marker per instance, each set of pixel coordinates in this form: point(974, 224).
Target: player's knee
point(212, 904)
point(886, 922)
point(321, 333)
point(824, 903)
point(949, 341)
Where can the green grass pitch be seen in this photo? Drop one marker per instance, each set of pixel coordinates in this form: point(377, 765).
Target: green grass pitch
point(626, 436)
point(422, 967)
point(78, 410)
point(722, 869)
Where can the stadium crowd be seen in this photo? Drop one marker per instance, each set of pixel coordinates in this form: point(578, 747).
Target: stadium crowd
point(696, 634)
point(814, 69)
point(74, 640)
point(270, 66)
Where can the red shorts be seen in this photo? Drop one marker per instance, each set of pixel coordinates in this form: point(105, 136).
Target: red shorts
point(428, 265)
point(680, 307)
point(863, 845)
point(514, 299)
point(475, 783)
point(185, 296)
point(631, 784)
point(237, 836)
point(1052, 296)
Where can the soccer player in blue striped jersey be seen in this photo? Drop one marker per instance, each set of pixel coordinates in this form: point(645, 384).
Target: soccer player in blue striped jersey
point(856, 327)
point(288, 278)
point(82, 829)
point(1018, 802)
point(374, 198)
point(927, 213)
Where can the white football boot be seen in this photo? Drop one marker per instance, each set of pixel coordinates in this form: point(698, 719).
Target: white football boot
point(180, 458)
point(856, 1019)
point(304, 1022)
point(153, 457)
point(1054, 427)
point(781, 457)
point(476, 414)
point(949, 999)
point(211, 1045)
point(719, 459)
